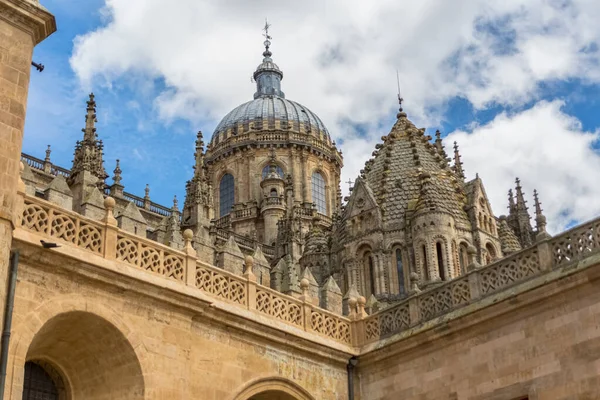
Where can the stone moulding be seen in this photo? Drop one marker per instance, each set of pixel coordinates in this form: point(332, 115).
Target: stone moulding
point(28, 16)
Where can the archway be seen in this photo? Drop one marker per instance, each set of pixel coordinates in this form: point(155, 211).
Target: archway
point(94, 357)
point(273, 395)
point(273, 389)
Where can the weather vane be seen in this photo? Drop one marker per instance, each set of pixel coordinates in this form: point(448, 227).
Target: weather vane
point(400, 99)
point(267, 38)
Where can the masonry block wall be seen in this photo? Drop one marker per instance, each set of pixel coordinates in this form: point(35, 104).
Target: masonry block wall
point(109, 339)
point(546, 349)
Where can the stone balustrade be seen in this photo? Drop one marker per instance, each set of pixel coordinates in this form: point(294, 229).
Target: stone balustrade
point(553, 253)
point(105, 239)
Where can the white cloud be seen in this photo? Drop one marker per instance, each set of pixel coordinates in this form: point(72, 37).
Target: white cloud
point(339, 58)
point(548, 150)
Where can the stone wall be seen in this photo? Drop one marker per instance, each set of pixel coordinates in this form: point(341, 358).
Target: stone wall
point(110, 338)
point(544, 344)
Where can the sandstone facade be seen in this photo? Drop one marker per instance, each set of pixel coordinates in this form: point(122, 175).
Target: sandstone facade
point(129, 299)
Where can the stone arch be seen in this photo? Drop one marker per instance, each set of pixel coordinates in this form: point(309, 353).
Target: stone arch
point(273, 389)
point(442, 260)
point(95, 352)
point(268, 161)
point(365, 257)
point(491, 253)
point(423, 257)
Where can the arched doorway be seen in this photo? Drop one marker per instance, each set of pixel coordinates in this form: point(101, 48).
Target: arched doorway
point(273, 389)
point(43, 382)
point(273, 395)
point(95, 358)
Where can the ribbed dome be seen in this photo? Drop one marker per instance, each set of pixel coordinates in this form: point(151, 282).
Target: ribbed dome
point(269, 110)
point(263, 112)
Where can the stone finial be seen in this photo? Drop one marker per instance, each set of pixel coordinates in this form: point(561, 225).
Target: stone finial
point(147, 192)
point(372, 305)
point(472, 254)
point(109, 205)
point(175, 207)
point(304, 285)
point(361, 302)
point(188, 235)
point(117, 171)
point(248, 266)
point(540, 219)
point(48, 151)
point(414, 283)
point(352, 301)
point(458, 165)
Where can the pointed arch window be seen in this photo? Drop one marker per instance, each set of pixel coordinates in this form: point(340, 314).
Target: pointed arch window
point(440, 261)
point(463, 257)
point(226, 194)
point(318, 193)
point(424, 263)
point(400, 268)
point(369, 262)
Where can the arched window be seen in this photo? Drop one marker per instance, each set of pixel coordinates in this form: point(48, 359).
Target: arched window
point(463, 257)
point(226, 194)
point(491, 253)
point(318, 193)
point(400, 268)
point(369, 260)
point(267, 169)
point(273, 192)
point(424, 263)
point(440, 261)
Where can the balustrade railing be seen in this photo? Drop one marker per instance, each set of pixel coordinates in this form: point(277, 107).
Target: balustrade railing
point(107, 240)
point(564, 249)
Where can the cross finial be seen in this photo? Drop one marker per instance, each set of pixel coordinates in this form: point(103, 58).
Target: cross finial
point(268, 38)
point(350, 182)
point(400, 99)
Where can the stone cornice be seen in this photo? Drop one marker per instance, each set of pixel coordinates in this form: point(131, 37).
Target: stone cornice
point(30, 17)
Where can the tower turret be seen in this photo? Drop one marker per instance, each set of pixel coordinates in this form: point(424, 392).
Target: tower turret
point(88, 166)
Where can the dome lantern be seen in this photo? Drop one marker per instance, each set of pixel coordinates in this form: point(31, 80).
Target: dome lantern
point(268, 76)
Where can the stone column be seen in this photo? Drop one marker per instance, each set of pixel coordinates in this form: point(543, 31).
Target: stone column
point(23, 24)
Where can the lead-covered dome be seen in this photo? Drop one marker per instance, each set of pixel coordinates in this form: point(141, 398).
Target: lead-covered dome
point(270, 110)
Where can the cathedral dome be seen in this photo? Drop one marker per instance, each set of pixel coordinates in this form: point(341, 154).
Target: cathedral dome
point(270, 110)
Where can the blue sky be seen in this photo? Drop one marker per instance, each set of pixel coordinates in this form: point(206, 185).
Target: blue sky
point(516, 83)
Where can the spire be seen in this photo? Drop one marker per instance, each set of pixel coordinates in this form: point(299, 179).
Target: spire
point(511, 202)
point(88, 152)
point(540, 219)
point(116, 190)
point(458, 165)
point(199, 156)
point(175, 207)
point(519, 218)
point(117, 171)
point(521, 203)
point(90, 120)
point(268, 76)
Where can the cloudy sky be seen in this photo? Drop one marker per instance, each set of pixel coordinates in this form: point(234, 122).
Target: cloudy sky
point(514, 82)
